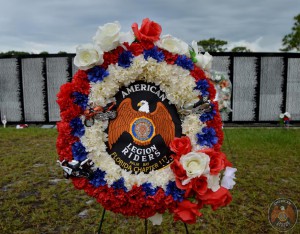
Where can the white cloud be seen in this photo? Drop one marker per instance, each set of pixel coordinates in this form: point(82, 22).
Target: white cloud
point(60, 25)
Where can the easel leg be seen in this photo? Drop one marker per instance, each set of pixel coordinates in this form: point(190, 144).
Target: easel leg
point(146, 226)
point(186, 228)
point(102, 218)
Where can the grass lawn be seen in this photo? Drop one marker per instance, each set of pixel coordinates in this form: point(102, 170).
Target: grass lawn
point(35, 198)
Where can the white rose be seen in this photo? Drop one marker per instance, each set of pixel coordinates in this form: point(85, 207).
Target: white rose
point(213, 182)
point(156, 219)
point(88, 56)
point(281, 116)
point(195, 164)
point(107, 36)
point(229, 175)
point(204, 61)
point(173, 45)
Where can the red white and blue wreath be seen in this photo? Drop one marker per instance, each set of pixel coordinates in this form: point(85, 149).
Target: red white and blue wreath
point(139, 129)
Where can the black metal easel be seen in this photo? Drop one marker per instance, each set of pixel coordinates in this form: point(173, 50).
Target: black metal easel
point(146, 224)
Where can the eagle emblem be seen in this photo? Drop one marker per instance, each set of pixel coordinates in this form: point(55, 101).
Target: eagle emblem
point(142, 125)
point(283, 214)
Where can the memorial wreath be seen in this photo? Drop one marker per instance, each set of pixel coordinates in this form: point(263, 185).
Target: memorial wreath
point(140, 130)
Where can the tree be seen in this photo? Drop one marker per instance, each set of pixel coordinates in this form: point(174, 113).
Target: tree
point(240, 49)
point(44, 53)
point(62, 52)
point(292, 41)
point(213, 45)
point(13, 53)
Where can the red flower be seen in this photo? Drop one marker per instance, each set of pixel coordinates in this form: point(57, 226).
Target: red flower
point(198, 73)
point(218, 161)
point(170, 58)
point(135, 48)
point(71, 113)
point(80, 75)
point(221, 197)
point(80, 183)
point(64, 97)
point(199, 185)
point(211, 89)
point(181, 146)
point(178, 170)
point(112, 57)
point(82, 86)
point(149, 31)
point(186, 212)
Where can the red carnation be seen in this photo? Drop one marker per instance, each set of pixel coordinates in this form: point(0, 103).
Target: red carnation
point(82, 86)
point(149, 31)
point(111, 57)
point(80, 183)
point(64, 97)
point(80, 75)
point(186, 212)
point(71, 113)
point(198, 73)
point(181, 146)
point(135, 48)
point(170, 58)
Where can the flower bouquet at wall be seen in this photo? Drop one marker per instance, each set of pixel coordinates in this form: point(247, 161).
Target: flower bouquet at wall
point(284, 119)
point(224, 89)
point(140, 128)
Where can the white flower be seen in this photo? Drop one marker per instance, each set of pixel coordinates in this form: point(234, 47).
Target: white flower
point(195, 47)
point(195, 164)
point(173, 45)
point(281, 116)
point(213, 182)
point(204, 61)
point(217, 77)
point(156, 219)
point(229, 175)
point(88, 56)
point(126, 37)
point(287, 114)
point(107, 36)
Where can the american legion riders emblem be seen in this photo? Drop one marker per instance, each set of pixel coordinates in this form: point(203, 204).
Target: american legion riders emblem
point(146, 123)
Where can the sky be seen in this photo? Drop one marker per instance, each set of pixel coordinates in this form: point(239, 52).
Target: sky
point(61, 25)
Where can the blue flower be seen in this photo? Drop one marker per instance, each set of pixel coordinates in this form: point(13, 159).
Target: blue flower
point(175, 192)
point(125, 59)
point(78, 151)
point(148, 189)
point(155, 54)
point(97, 74)
point(77, 127)
point(184, 62)
point(119, 184)
point(203, 86)
point(98, 178)
point(206, 116)
point(207, 137)
point(80, 99)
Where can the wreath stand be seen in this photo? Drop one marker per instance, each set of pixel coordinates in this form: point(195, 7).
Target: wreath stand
point(146, 224)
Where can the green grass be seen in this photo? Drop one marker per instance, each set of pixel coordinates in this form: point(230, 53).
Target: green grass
point(31, 202)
